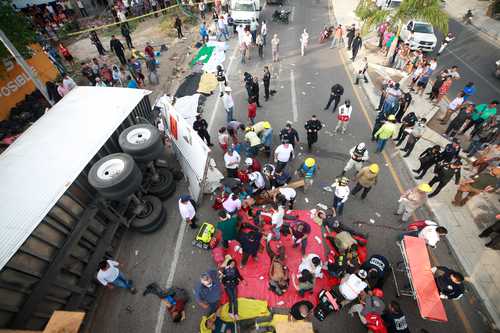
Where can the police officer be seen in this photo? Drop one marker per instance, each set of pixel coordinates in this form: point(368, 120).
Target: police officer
point(200, 126)
point(377, 269)
point(359, 154)
point(221, 79)
point(443, 173)
point(289, 134)
point(312, 126)
point(407, 123)
point(267, 82)
point(336, 92)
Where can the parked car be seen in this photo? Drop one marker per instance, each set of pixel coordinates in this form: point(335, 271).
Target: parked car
point(420, 35)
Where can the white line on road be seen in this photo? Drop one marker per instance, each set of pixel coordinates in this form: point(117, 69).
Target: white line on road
point(292, 15)
point(294, 97)
point(216, 106)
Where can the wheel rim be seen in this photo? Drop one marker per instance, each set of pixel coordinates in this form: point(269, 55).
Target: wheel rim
point(139, 136)
point(148, 209)
point(110, 169)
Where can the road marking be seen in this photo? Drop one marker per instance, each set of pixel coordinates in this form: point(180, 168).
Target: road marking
point(170, 279)
point(292, 15)
point(216, 106)
point(294, 97)
point(397, 180)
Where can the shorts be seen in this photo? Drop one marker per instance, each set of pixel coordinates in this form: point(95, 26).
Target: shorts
point(422, 84)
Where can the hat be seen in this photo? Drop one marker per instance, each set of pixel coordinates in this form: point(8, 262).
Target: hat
point(344, 181)
point(248, 161)
point(309, 162)
point(228, 89)
point(424, 187)
point(361, 145)
point(378, 293)
point(391, 117)
point(185, 197)
point(362, 274)
point(374, 168)
point(267, 125)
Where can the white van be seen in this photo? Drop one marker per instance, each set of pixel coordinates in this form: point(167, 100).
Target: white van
point(242, 11)
point(420, 35)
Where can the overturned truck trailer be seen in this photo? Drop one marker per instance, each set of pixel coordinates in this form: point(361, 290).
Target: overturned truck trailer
point(54, 229)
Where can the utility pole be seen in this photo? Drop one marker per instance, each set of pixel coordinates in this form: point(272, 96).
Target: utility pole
point(24, 65)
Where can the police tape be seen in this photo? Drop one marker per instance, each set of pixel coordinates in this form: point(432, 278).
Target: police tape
point(127, 20)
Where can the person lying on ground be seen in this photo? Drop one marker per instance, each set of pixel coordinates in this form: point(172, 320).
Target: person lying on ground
point(302, 310)
point(175, 300)
point(279, 276)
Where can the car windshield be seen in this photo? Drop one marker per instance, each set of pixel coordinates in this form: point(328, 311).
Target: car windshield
point(244, 7)
point(423, 28)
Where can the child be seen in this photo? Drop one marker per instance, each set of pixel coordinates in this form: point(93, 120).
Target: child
point(252, 109)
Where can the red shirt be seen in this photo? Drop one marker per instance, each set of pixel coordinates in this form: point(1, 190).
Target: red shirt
point(178, 307)
point(149, 51)
point(252, 110)
point(255, 165)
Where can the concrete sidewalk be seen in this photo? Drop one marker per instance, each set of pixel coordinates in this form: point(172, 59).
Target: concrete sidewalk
point(481, 264)
point(457, 9)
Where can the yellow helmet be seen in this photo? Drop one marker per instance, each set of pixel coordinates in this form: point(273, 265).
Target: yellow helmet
point(374, 168)
point(424, 187)
point(267, 124)
point(309, 162)
point(391, 117)
point(248, 129)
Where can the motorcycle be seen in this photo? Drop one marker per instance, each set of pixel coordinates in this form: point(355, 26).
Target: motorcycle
point(467, 19)
point(281, 16)
point(496, 73)
point(325, 34)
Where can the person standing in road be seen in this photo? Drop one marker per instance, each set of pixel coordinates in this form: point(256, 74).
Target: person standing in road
point(351, 33)
point(109, 275)
point(118, 49)
point(289, 134)
point(357, 42)
point(415, 134)
point(228, 102)
point(338, 37)
point(447, 39)
point(450, 283)
point(282, 155)
point(336, 93)
point(344, 116)
point(366, 178)
point(178, 27)
point(267, 138)
point(411, 200)
point(187, 210)
point(126, 34)
point(263, 32)
point(312, 126)
point(232, 162)
point(221, 79)
point(359, 154)
point(385, 133)
point(208, 291)
point(307, 170)
point(200, 125)
point(453, 107)
point(255, 90)
point(362, 69)
point(407, 124)
point(267, 82)
point(260, 45)
point(253, 29)
point(341, 194)
point(304, 40)
point(94, 39)
point(252, 110)
point(443, 173)
point(275, 48)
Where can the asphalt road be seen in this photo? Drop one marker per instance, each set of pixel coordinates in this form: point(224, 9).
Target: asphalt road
point(149, 258)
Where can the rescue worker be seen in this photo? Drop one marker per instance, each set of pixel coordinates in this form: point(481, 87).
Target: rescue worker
point(200, 125)
point(221, 79)
point(307, 170)
point(359, 154)
point(366, 179)
point(443, 173)
point(411, 200)
point(450, 283)
point(385, 133)
point(312, 126)
point(253, 141)
point(407, 124)
point(344, 116)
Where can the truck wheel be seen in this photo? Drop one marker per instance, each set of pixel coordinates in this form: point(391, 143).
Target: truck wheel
point(165, 186)
point(142, 141)
point(155, 226)
point(115, 176)
point(150, 215)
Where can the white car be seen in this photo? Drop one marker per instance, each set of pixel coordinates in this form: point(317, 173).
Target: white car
point(420, 35)
point(242, 11)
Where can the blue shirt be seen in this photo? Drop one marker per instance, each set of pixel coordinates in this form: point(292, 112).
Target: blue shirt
point(132, 84)
point(308, 171)
point(469, 91)
point(209, 295)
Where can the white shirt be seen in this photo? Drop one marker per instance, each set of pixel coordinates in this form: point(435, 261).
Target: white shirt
point(221, 24)
point(253, 25)
point(247, 39)
point(258, 179)
point(231, 205)
point(79, 3)
point(342, 192)
point(288, 192)
point(283, 153)
point(186, 210)
point(277, 216)
point(308, 265)
point(345, 110)
point(304, 38)
point(430, 235)
point(351, 287)
point(263, 29)
point(109, 275)
point(232, 161)
point(228, 102)
point(455, 103)
point(223, 138)
point(241, 33)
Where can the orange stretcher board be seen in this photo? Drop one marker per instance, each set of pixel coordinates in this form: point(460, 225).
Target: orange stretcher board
point(422, 280)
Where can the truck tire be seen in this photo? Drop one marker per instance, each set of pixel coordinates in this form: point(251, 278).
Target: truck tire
point(115, 176)
point(143, 142)
point(151, 214)
point(155, 226)
point(165, 187)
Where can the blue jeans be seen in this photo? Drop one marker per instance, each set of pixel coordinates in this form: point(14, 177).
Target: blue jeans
point(388, 107)
point(412, 233)
point(474, 147)
point(233, 299)
point(229, 114)
point(121, 282)
point(338, 205)
point(380, 145)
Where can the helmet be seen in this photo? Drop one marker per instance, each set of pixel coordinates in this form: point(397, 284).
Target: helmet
point(378, 293)
point(424, 187)
point(362, 274)
point(248, 161)
point(374, 168)
point(391, 117)
point(267, 124)
point(228, 89)
point(248, 129)
point(344, 181)
point(361, 146)
point(309, 162)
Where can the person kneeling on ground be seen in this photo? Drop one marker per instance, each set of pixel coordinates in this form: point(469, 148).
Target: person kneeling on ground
point(175, 300)
point(369, 303)
point(279, 276)
point(377, 268)
point(449, 282)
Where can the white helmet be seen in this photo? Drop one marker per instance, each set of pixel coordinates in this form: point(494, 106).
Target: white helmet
point(361, 146)
point(248, 161)
point(362, 274)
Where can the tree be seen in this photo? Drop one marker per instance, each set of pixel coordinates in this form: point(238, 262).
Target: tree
point(18, 29)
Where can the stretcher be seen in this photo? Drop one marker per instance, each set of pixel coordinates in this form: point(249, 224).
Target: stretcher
point(421, 284)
